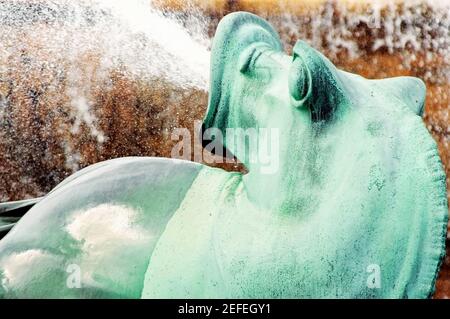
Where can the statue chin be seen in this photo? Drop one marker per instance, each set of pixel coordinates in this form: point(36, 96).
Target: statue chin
point(355, 208)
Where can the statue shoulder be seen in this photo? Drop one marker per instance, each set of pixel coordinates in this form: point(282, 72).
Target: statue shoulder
point(155, 169)
point(153, 186)
point(149, 174)
point(106, 219)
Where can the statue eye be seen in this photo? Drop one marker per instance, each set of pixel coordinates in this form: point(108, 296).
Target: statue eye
point(299, 82)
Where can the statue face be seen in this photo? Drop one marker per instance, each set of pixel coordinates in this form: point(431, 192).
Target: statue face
point(255, 84)
point(260, 95)
point(357, 168)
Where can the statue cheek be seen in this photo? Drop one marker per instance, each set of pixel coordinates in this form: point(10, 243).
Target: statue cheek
point(243, 107)
point(247, 115)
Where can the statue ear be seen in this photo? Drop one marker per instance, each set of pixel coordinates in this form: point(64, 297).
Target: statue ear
point(409, 89)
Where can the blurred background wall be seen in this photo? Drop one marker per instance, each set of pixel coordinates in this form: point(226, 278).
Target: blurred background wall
point(89, 80)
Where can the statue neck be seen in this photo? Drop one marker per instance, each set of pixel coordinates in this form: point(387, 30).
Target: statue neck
point(286, 184)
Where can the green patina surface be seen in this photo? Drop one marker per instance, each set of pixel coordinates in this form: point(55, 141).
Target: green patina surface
point(359, 188)
point(359, 183)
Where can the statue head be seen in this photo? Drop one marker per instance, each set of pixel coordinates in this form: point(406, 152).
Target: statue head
point(255, 84)
point(358, 171)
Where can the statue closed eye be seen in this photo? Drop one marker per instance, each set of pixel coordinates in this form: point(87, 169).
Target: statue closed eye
point(355, 207)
